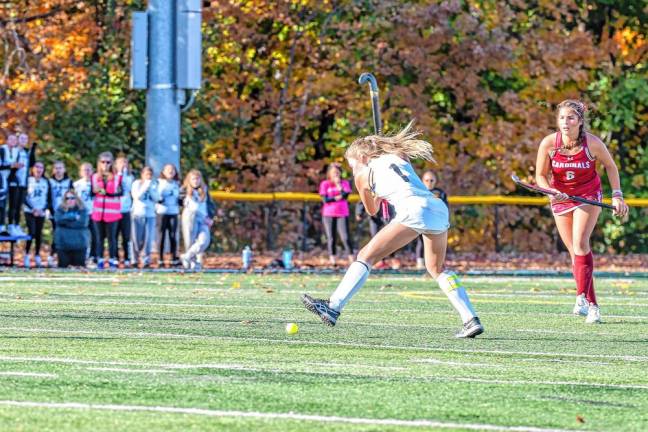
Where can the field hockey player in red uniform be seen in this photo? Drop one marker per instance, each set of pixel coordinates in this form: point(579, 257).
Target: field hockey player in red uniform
point(566, 164)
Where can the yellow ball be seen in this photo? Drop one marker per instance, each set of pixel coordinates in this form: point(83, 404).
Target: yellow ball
point(291, 328)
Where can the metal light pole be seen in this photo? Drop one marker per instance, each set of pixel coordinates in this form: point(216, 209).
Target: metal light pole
point(166, 61)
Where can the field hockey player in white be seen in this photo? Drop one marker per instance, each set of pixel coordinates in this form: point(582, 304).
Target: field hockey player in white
point(382, 171)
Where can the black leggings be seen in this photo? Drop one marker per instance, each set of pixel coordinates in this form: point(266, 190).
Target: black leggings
point(53, 247)
point(168, 224)
point(103, 230)
point(16, 200)
point(342, 224)
point(124, 230)
point(35, 229)
point(3, 210)
point(71, 258)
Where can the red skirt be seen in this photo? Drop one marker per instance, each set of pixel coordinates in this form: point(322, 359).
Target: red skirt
point(564, 207)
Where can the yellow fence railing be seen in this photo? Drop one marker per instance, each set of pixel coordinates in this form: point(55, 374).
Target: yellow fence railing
point(458, 200)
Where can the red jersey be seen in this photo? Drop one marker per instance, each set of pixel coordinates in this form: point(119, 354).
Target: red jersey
point(575, 174)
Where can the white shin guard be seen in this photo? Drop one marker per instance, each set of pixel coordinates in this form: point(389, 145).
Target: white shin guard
point(451, 285)
point(355, 276)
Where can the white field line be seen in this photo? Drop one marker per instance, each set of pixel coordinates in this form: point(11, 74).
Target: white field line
point(168, 366)
point(425, 423)
point(453, 363)
point(28, 374)
point(281, 308)
point(432, 294)
point(352, 365)
point(174, 366)
point(145, 335)
point(151, 371)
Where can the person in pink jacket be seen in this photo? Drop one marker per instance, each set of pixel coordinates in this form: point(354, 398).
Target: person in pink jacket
point(106, 208)
point(335, 211)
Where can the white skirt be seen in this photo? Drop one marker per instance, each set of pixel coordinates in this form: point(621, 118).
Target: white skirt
point(425, 215)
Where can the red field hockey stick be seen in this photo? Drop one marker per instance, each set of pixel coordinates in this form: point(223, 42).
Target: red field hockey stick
point(534, 188)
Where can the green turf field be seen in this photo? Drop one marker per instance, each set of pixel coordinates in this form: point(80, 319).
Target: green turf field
point(109, 352)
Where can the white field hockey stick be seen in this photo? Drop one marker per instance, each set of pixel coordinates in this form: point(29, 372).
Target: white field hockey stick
point(538, 189)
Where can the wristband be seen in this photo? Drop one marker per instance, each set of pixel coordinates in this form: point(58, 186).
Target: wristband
point(617, 193)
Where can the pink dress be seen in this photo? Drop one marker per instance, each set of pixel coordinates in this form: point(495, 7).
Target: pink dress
point(339, 208)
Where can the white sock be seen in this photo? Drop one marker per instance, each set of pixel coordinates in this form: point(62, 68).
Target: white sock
point(451, 285)
point(353, 279)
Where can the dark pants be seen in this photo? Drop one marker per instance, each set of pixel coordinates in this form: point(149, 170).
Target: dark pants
point(93, 240)
point(168, 224)
point(3, 210)
point(16, 200)
point(342, 225)
point(68, 258)
point(53, 248)
point(35, 229)
point(124, 231)
point(105, 230)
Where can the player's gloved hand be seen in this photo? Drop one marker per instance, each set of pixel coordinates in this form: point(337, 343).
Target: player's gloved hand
point(620, 207)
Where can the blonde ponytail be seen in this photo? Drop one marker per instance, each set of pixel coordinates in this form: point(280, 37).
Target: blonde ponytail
point(404, 143)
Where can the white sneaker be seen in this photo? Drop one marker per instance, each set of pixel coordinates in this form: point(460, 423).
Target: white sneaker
point(582, 305)
point(3, 229)
point(50, 261)
point(186, 262)
point(37, 261)
point(26, 262)
point(12, 230)
point(420, 264)
point(593, 315)
point(19, 231)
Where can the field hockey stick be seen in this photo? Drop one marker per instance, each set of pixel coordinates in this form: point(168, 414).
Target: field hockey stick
point(367, 77)
point(534, 188)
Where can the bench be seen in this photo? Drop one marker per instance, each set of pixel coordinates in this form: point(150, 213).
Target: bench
point(12, 240)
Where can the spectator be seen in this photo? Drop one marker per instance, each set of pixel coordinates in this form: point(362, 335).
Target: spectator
point(429, 180)
point(83, 189)
point(6, 164)
point(59, 184)
point(36, 207)
point(122, 168)
point(23, 159)
point(197, 216)
point(71, 234)
point(335, 211)
point(145, 195)
point(167, 209)
point(106, 208)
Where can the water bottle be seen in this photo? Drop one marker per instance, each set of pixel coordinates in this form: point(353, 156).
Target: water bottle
point(287, 259)
point(246, 257)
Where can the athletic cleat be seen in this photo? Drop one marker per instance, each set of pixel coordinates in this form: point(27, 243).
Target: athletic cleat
point(320, 307)
point(582, 305)
point(471, 329)
point(186, 261)
point(593, 315)
point(38, 261)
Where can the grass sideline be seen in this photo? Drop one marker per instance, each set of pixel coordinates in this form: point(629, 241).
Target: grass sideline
point(133, 351)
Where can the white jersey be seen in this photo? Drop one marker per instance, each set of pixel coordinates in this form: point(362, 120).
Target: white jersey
point(394, 180)
point(58, 188)
point(37, 194)
point(83, 188)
